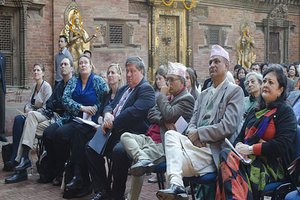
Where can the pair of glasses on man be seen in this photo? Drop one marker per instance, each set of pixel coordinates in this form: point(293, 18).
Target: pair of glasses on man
point(172, 79)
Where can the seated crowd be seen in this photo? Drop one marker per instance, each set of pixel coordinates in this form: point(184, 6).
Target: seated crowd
point(139, 128)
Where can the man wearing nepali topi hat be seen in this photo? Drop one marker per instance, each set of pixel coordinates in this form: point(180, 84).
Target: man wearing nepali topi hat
point(217, 115)
point(172, 102)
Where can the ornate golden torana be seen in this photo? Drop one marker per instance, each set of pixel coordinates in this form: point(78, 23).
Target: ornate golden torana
point(245, 47)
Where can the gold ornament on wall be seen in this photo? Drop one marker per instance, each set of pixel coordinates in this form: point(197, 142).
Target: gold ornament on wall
point(188, 4)
point(78, 38)
point(245, 47)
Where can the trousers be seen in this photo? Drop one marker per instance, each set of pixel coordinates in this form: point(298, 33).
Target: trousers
point(140, 147)
point(17, 134)
point(2, 110)
point(75, 136)
point(184, 159)
point(33, 120)
point(120, 165)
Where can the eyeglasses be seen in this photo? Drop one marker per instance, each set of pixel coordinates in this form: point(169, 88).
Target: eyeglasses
point(64, 64)
point(171, 79)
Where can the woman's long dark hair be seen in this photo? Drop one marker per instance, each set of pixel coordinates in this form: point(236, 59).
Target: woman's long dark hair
point(160, 71)
point(282, 81)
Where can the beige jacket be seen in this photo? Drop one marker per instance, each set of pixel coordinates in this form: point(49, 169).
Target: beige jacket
point(40, 98)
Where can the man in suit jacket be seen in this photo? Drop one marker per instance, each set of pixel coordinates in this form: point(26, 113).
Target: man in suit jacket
point(172, 102)
point(127, 113)
point(2, 97)
point(217, 114)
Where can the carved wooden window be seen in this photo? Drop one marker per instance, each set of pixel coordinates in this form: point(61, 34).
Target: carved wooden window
point(6, 47)
point(5, 34)
point(116, 35)
point(214, 36)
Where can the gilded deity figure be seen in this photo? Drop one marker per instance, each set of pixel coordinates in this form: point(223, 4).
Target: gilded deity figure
point(245, 48)
point(78, 38)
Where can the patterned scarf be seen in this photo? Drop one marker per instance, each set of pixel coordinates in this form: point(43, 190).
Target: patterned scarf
point(258, 129)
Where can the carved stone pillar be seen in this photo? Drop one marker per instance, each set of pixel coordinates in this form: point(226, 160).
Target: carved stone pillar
point(23, 42)
point(267, 38)
point(23, 7)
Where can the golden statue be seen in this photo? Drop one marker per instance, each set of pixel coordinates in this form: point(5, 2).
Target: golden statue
point(78, 38)
point(245, 47)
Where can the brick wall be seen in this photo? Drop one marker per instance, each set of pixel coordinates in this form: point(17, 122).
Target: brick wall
point(44, 28)
point(233, 17)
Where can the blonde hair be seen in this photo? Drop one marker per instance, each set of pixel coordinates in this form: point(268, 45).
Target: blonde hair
point(119, 71)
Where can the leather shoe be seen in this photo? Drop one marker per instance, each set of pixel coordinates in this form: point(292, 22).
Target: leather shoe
point(77, 193)
point(100, 196)
point(75, 183)
point(45, 178)
point(141, 167)
point(10, 166)
point(174, 192)
point(16, 177)
point(24, 164)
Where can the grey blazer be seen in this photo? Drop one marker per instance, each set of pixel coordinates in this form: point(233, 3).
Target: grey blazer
point(166, 111)
point(226, 116)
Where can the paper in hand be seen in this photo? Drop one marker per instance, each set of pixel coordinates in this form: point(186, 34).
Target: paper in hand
point(181, 125)
point(243, 159)
point(86, 116)
point(88, 122)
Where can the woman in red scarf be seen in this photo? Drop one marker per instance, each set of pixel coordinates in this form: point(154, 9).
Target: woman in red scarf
point(266, 138)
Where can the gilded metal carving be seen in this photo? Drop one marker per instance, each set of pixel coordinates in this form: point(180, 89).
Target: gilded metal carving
point(78, 38)
point(245, 47)
point(168, 39)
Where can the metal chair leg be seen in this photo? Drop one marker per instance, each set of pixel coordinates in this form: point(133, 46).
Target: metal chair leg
point(160, 180)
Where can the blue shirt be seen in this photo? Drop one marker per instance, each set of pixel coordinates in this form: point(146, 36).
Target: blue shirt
point(86, 96)
point(96, 85)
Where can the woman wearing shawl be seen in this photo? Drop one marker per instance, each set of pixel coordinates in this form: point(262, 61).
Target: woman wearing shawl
point(266, 138)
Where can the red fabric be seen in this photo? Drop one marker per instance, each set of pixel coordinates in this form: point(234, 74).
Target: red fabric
point(154, 133)
point(257, 149)
point(233, 183)
point(269, 132)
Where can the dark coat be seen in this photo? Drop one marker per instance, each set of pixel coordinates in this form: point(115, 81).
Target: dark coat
point(2, 71)
point(133, 116)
